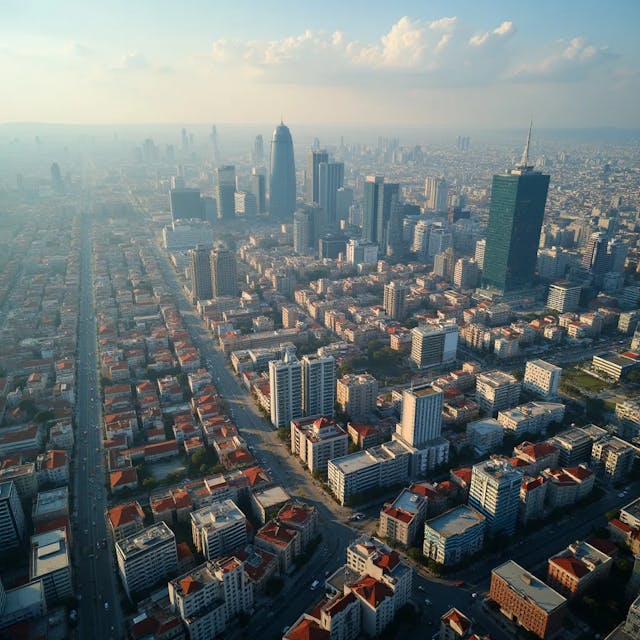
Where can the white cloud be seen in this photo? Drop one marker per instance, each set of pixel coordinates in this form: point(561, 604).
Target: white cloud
point(503, 31)
point(135, 61)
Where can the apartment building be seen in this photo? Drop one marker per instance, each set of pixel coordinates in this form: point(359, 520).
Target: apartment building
point(300, 517)
point(496, 391)
point(612, 457)
point(574, 444)
point(125, 520)
point(356, 395)
point(576, 568)
point(434, 345)
point(542, 378)
point(50, 562)
point(533, 417)
point(318, 385)
point(402, 520)
point(218, 529)
point(12, 521)
point(316, 440)
point(485, 435)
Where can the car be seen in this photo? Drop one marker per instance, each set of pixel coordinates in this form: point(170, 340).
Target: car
point(106, 606)
point(420, 587)
point(474, 595)
point(314, 585)
point(427, 602)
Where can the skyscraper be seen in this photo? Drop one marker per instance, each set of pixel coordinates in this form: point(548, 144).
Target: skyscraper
point(389, 193)
point(312, 180)
point(285, 381)
point(372, 187)
point(518, 199)
point(201, 273)
point(330, 179)
point(318, 385)
point(436, 192)
point(421, 415)
point(257, 186)
point(226, 191)
point(395, 231)
point(282, 186)
point(224, 279)
point(258, 151)
point(185, 203)
point(303, 232)
point(395, 300)
point(56, 178)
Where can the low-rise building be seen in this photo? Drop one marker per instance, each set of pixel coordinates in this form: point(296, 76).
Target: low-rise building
point(125, 520)
point(50, 562)
point(532, 418)
point(496, 391)
point(576, 568)
point(402, 520)
point(450, 537)
point(537, 456)
point(485, 436)
point(615, 366)
point(317, 440)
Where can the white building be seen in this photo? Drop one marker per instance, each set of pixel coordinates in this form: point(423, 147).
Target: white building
point(147, 558)
point(218, 529)
point(285, 382)
point(186, 234)
point(317, 440)
point(434, 345)
point(356, 395)
point(533, 417)
point(51, 563)
point(564, 296)
point(318, 385)
point(361, 252)
point(542, 378)
point(485, 435)
point(421, 415)
point(496, 390)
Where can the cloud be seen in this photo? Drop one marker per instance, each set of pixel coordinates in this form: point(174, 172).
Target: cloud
point(503, 31)
point(132, 62)
point(569, 61)
point(77, 49)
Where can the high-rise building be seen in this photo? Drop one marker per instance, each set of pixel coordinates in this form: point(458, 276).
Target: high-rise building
point(225, 191)
point(564, 296)
point(257, 186)
point(344, 200)
point(436, 193)
point(361, 252)
point(388, 194)
point(185, 203)
point(305, 222)
point(481, 246)
point(495, 493)
point(421, 419)
point(257, 156)
point(395, 247)
point(444, 264)
point(356, 395)
point(433, 345)
point(330, 179)
point(395, 300)
point(12, 522)
point(285, 382)
point(552, 263)
point(372, 188)
point(201, 273)
point(420, 244)
point(312, 181)
point(518, 200)
point(282, 185)
point(246, 204)
point(542, 378)
point(56, 178)
point(497, 391)
point(318, 385)
point(465, 273)
point(440, 239)
point(224, 278)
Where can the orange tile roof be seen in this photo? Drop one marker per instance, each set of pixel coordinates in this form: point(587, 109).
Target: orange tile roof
point(371, 590)
point(307, 630)
point(571, 565)
point(124, 514)
point(399, 514)
point(190, 585)
point(340, 604)
point(457, 621)
point(387, 560)
point(123, 477)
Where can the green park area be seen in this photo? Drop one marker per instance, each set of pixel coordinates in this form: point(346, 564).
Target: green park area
point(576, 379)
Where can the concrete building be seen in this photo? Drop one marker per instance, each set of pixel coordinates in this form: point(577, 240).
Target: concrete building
point(300, 517)
point(421, 419)
point(495, 492)
point(50, 505)
point(356, 395)
point(268, 501)
point(402, 520)
point(481, 246)
point(394, 300)
point(577, 568)
point(542, 378)
point(496, 391)
point(285, 382)
point(615, 366)
point(200, 272)
point(564, 296)
point(538, 456)
point(533, 492)
point(532, 418)
point(465, 273)
point(224, 278)
point(575, 446)
point(527, 601)
point(454, 535)
point(21, 604)
point(50, 562)
point(318, 385)
point(218, 529)
point(612, 457)
point(12, 521)
point(285, 543)
point(147, 558)
point(485, 435)
point(317, 440)
point(361, 252)
point(434, 345)
point(125, 520)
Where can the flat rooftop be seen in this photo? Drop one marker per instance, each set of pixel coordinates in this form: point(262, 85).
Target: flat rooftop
point(271, 496)
point(455, 521)
point(423, 391)
point(529, 587)
point(484, 426)
point(496, 378)
point(633, 508)
point(543, 364)
point(407, 501)
point(362, 459)
point(24, 597)
point(217, 514)
point(49, 553)
point(51, 501)
point(146, 539)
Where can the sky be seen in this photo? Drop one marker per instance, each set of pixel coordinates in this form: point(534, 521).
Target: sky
point(431, 63)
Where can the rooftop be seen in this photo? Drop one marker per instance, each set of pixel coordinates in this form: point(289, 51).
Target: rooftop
point(408, 501)
point(49, 553)
point(146, 539)
point(455, 521)
point(218, 514)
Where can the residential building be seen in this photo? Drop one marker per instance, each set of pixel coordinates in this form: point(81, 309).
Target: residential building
point(532, 418)
point(533, 492)
point(300, 517)
point(495, 492)
point(224, 279)
point(574, 444)
point(285, 381)
point(50, 562)
point(394, 300)
point(361, 252)
point(356, 395)
point(146, 558)
point(485, 435)
point(201, 273)
point(542, 378)
point(496, 391)
point(481, 247)
point(285, 543)
point(564, 296)
point(317, 440)
point(218, 529)
point(527, 601)
point(465, 273)
point(421, 419)
point(454, 535)
point(538, 456)
point(125, 520)
point(434, 345)
point(318, 385)
point(266, 502)
point(402, 519)
point(612, 457)
point(12, 521)
point(577, 568)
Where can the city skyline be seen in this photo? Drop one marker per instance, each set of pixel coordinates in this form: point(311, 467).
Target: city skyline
point(433, 62)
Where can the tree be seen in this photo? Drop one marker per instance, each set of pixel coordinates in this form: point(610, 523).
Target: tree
point(198, 457)
point(594, 408)
point(415, 554)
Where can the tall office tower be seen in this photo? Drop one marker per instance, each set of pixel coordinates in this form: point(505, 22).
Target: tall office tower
point(344, 200)
point(185, 139)
point(440, 239)
point(312, 179)
point(257, 156)
point(436, 193)
point(56, 178)
point(305, 222)
point(246, 205)
point(395, 231)
point(420, 243)
point(395, 295)
point(389, 193)
point(481, 246)
point(12, 523)
point(224, 277)
point(444, 264)
point(595, 257)
point(465, 273)
point(215, 151)
point(201, 273)
point(257, 186)
point(495, 493)
point(618, 254)
point(518, 199)
point(330, 179)
point(318, 385)
point(185, 203)
point(285, 382)
point(433, 345)
point(372, 188)
point(226, 191)
point(421, 415)
point(282, 186)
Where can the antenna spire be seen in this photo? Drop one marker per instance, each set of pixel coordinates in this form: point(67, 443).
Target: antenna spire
point(525, 154)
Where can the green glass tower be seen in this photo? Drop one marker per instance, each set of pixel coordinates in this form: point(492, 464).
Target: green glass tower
point(518, 198)
point(372, 188)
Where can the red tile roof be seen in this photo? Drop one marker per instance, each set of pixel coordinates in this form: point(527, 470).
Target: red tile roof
point(123, 477)
point(571, 565)
point(123, 514)
point(190, 585)
point(457, 621)
point(307, 630)
point(399, 514)
point(371, 590)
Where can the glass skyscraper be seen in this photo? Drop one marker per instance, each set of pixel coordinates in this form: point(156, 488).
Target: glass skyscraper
point(282, 186)
point(518, 198)
point(370, 209)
